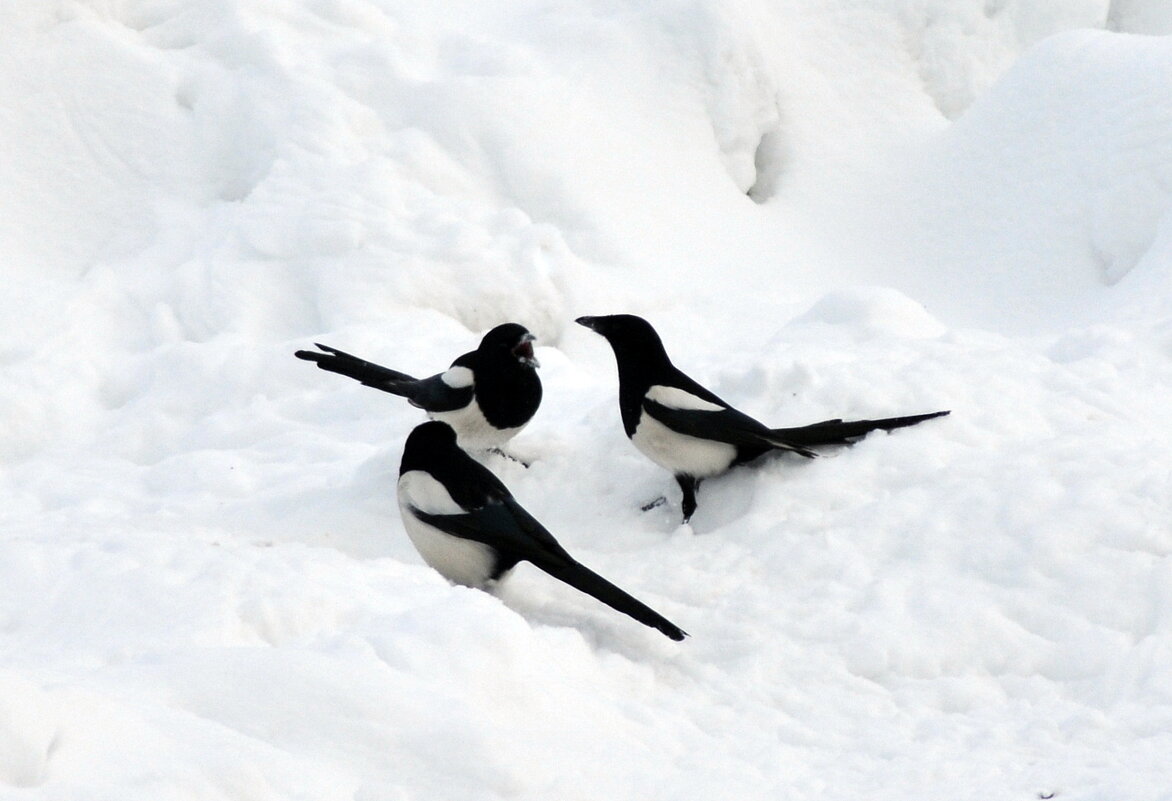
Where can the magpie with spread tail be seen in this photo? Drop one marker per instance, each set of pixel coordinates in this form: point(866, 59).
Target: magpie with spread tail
point(686, 429)
point(487, 395)
point(467, 526)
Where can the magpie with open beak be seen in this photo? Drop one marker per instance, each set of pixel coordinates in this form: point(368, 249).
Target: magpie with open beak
point(467, 526)
point(487, 395)
point(686, 429)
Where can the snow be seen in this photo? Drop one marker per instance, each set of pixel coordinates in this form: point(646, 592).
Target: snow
point(827, 208)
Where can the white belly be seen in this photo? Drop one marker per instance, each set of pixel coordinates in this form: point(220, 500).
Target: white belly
point(458, 560)
point(473, 431)
point(680, 453)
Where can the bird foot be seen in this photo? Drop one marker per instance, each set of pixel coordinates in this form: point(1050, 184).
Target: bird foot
point(660, 501)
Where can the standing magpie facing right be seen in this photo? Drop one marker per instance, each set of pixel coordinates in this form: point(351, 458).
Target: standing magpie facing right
point(487, 395)
point(683, 427)
point(466, 524)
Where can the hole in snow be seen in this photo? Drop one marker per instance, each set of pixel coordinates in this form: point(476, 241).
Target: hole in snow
point(768, 161)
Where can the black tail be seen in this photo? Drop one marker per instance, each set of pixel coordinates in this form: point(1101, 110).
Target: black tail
point(839, 432)
point(370, 374)
point(584, 579)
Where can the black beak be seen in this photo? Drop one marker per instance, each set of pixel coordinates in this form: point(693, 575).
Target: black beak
point(588, 322)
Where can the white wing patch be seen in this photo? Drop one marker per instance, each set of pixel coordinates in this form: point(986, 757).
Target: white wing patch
point(458, 560)
point(457, 377)
point(676, 398)
point(422, 491)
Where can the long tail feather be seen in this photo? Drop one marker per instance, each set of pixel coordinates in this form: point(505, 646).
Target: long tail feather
point(839, 432)
point(368, 373)
point(583, 578)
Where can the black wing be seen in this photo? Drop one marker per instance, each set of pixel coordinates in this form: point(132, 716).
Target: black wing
point(724, 425)
point(433, 395)
point(502, 524)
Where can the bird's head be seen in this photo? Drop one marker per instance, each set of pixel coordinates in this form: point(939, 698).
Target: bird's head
point(510, 341)
point(630, 336)
point(431, 435)
point(426, 443)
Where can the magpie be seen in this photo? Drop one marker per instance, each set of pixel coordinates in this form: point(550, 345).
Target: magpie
point(686, 429)
point(467, 526)
point(487, 395)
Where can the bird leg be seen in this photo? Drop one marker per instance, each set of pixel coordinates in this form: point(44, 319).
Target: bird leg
point(688, 484)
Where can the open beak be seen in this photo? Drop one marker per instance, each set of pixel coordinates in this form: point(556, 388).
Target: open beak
point(524, 351)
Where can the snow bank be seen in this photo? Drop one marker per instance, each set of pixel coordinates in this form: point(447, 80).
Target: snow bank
point(1036, 206)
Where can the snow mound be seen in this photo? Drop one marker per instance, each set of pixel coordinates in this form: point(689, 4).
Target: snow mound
point(1087, 169)
point(873, 311)
point(1035, 207)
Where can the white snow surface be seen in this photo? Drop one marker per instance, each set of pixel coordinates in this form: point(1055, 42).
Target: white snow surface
point(827, 208)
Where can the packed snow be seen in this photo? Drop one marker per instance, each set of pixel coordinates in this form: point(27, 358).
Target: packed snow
point(852, 208)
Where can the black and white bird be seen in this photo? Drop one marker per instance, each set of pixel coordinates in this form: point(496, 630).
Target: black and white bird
point(487, 395)
point(466, 524)
point(686, 429)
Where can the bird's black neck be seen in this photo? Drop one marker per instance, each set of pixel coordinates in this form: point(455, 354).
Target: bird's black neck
point(509, 393)
point(637, 374)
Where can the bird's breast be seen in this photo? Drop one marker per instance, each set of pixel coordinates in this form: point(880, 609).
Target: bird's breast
point(680, 453)
point(459, 560)
point(473, 430)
